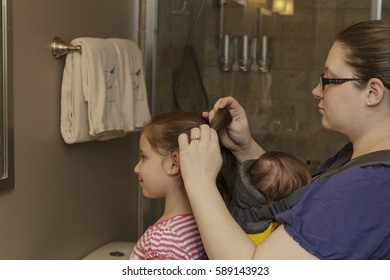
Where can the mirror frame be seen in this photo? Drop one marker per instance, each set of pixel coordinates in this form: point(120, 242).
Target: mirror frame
point(7, 174)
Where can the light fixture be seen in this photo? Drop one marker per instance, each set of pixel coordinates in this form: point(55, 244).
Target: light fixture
point(289, 9)
point(283, 7)
point(256, 2)
point(278, 6)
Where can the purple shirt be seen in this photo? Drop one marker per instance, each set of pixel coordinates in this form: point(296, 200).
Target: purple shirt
point(345, 216)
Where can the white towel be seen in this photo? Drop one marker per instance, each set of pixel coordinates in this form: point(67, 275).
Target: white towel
point(131, 63)
point(97, 101)
point(74, 107)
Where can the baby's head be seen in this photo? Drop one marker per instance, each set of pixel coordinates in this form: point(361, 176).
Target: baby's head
point(277, 174)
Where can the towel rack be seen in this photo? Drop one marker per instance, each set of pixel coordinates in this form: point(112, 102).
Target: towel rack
point(59, 48)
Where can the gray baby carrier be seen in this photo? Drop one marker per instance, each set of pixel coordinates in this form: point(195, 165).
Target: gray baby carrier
point(248, 205)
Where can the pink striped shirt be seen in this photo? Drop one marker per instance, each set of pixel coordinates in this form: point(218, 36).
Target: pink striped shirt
point(176, 238)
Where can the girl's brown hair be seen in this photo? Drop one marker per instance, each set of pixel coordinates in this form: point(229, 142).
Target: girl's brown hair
point(163, 130)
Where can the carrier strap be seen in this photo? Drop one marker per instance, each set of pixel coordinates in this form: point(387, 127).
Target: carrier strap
point(379, 158)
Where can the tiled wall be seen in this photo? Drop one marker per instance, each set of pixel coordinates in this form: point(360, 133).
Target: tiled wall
point(285, 117)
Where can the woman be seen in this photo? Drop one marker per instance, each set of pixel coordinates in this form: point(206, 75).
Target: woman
point(344, 216)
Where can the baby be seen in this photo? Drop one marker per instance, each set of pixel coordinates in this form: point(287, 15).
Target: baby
point(271, 177)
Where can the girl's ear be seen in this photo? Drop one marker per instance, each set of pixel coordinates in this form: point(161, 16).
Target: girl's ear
point(174, 167)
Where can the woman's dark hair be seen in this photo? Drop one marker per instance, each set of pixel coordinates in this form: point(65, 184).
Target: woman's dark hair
point(368, 50)
point(163, 130)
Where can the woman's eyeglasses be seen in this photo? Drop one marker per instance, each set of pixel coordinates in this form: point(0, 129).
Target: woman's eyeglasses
point(335, 81)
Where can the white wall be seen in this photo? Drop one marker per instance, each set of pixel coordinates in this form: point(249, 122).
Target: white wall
point(68, 199)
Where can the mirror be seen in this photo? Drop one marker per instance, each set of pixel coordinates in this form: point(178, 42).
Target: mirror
point(6, 127)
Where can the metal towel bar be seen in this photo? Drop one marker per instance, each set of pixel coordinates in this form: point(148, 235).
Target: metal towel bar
point(59, 48)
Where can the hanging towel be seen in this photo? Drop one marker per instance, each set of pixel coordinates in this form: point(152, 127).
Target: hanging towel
point(131, 64)
point(74, 107)
point(101, 87)
point(97, 99)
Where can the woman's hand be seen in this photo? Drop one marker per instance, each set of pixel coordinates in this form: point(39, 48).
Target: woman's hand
point(237, 136)
point(200, 157)
point(200, 162)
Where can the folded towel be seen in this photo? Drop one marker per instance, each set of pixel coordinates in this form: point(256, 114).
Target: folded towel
point(74, 107)
point(100, 64)
point(131, 63)
point(98, 98)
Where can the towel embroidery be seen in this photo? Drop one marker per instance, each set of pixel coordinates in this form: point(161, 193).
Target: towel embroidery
point(136, 85)
point(110, 84)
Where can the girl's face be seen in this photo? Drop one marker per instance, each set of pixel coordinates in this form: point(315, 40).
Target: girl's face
point(153, 171)
point(340, 104)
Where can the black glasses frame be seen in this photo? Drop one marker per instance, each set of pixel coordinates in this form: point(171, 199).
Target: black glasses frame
point(335, 81)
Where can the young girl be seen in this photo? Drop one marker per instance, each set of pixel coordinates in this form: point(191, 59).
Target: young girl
point(175, 235)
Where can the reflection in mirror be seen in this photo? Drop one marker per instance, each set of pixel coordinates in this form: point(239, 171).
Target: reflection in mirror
point(6, 132)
